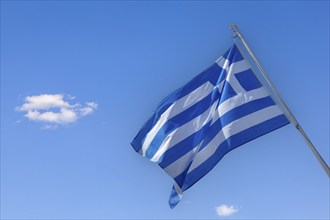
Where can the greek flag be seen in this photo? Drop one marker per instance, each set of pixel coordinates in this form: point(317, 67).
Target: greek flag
point(220, 109)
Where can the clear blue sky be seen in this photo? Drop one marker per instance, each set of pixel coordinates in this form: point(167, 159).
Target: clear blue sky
point(123, 58)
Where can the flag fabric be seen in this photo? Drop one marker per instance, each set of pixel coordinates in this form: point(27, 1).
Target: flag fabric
point(220, 109)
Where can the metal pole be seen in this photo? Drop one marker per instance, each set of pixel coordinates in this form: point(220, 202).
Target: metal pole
point(284, 106)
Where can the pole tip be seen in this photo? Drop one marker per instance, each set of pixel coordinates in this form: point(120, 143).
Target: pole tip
point(234, 28)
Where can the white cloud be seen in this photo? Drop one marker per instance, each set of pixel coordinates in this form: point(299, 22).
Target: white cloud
point(43, 102)
point(49, 127)
point(53, 110)
point(90, 107)
point(226, 210)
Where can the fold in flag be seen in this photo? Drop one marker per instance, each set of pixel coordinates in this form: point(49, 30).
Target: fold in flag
point(220, 109)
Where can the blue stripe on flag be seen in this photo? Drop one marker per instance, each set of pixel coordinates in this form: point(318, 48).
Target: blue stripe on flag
point(136, 143)
point(180, 119)
point(184, 146)
point(227, 92)
point(209, 75)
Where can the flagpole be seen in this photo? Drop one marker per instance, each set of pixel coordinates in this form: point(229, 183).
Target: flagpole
point(291, 117)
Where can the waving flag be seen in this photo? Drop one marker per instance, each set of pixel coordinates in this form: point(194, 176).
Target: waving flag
point(222, 108)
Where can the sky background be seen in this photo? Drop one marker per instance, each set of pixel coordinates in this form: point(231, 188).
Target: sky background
point(108, 64)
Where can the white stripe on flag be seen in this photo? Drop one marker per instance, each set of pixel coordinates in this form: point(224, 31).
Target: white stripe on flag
point(238, 67)
point(234, 68)
point(185, 131)
point(223, 63)
point(177, 167)
point(176, 108)
point(239, 100)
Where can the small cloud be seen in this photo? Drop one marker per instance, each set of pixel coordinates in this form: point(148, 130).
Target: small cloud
point(49, 127)
point(71, 97)
point(90, 107)
point(226, 210)
point(53, 110)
